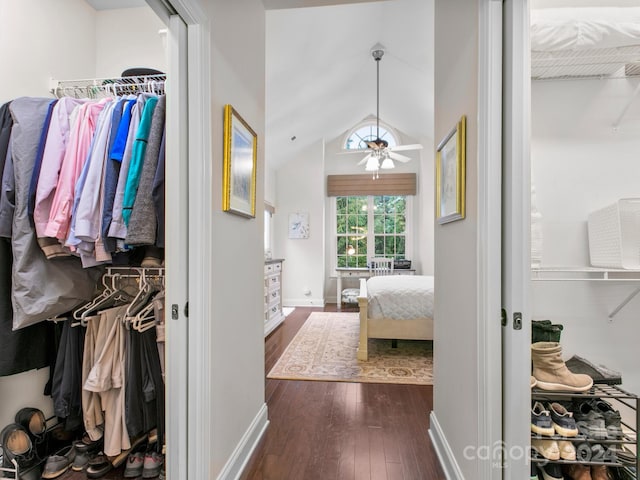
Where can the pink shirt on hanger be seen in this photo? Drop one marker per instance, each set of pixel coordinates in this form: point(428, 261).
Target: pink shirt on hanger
point(77, 150)
point(62, 120)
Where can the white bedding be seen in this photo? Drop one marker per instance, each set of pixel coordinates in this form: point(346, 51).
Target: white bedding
point(400, 297)
point(554, 29)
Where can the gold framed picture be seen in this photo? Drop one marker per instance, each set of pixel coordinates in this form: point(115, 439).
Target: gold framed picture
point(450, 175)
point(240, 160)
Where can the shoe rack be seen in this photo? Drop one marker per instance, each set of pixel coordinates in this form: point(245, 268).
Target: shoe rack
point(620, 399)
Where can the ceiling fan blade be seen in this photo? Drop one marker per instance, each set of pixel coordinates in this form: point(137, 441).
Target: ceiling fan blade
point(354, 150)
point(398, 157)
point(415, 146)
point(364, 160)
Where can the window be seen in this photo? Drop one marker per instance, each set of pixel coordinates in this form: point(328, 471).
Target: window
point(358, 139)
point(268, 229)
point(370, 226)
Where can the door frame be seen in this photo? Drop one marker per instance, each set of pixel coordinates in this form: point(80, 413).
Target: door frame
point(489, 365)
point(188, 390)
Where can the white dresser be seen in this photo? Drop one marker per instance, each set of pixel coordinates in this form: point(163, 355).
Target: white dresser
point(273, 315)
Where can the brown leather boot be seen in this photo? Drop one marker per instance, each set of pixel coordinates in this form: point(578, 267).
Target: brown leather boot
point(600, 472)
point(551, 372)
point(576, 471)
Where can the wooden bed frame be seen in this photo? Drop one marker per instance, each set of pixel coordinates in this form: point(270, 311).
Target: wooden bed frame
point(416, 329)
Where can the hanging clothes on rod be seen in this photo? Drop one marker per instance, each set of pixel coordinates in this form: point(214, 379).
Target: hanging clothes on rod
point(120, 360)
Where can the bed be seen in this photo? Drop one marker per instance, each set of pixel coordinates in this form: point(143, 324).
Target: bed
point(397, 307)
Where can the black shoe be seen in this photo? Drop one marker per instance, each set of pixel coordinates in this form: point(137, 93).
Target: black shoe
point(612, 419)
point(17, 446)
point(34, 422)
point(551, 471)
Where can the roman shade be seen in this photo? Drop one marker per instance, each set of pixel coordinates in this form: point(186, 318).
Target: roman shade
point(385, 184)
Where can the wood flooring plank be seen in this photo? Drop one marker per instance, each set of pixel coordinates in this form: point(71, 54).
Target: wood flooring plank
point(377, 462)
point(394, 471)
point(341, 431)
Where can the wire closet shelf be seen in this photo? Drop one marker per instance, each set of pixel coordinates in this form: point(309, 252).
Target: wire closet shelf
point(108, 87)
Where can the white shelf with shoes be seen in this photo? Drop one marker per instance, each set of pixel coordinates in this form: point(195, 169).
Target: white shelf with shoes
point(620, 453)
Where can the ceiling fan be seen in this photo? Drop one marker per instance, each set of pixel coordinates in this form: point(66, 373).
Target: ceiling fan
point(380, 155)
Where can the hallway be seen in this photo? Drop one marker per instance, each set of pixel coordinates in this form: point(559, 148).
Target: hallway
point(336, 430)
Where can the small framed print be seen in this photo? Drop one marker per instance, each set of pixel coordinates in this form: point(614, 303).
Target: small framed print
point(240, 159)
point(298, 225)
point(450, 175)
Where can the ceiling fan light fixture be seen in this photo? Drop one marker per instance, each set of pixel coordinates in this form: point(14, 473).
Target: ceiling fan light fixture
point(372, 164)
point(387, 164)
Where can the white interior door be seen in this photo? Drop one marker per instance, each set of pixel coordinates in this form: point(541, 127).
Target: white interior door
point(516, 263)
point(176, 254)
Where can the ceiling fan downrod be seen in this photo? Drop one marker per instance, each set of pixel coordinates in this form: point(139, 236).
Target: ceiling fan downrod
point(377, 55)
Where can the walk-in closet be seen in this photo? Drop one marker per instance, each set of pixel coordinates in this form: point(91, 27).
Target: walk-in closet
point(585, 204)
point(83, 125)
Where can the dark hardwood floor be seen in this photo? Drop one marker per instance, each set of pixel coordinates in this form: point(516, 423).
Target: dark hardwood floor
point(336, 430)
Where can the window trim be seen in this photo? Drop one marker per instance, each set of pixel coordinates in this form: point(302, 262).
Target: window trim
point(370, 123)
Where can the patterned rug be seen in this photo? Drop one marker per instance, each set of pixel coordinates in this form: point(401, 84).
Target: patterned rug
point(325, 349)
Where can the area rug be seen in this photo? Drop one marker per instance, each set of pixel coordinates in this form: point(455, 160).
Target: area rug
point(325, 349)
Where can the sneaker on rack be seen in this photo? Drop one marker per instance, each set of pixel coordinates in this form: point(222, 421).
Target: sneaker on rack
point(612, 419)
point(551, 471)
point(541, 420)
point(547, 448)
point(590, 422)
point(563, 422)
point(567, 450)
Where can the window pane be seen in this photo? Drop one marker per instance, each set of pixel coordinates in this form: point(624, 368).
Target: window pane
point(389, 224)
point(401, 205)
point(379, 245)
point(341, 205)
point(400, 224)
point(362, 261)
point(341, 246)
point(342, 261)
point(400, 247)
point(361, 246)
point(389, 247)
point(341, 224)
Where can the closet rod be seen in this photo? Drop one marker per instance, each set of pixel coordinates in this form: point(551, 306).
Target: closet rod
point(88, 85)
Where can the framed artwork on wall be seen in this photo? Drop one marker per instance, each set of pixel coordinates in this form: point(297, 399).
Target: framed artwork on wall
point(450, 175)
point(298, 225)
point(239, 163)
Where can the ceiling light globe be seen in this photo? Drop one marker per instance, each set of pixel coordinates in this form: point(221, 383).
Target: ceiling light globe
point(372, 165)
point(387, 164)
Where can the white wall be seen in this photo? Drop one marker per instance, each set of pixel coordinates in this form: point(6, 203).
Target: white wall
point(237, 270)
point(141, 37)
point(456, 306)
point(581, 163)
point(28, 32)
point(40, 40)
point(301, 188)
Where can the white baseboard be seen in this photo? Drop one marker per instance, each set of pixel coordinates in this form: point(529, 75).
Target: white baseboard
point(242, 453)
point(443, 450)
point(304, 302)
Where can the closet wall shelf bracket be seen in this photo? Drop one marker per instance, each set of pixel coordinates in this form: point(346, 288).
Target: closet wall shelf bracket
point(590, 274)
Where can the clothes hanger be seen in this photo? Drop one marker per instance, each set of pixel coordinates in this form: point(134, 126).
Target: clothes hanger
point(147, 318)
point(109, 297)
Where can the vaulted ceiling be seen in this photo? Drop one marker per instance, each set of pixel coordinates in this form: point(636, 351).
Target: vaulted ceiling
point(321, 77)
